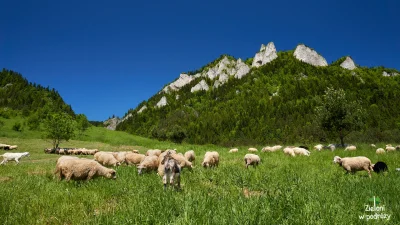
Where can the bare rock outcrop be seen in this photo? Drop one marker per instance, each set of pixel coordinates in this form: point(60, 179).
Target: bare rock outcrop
point(162, 102)
point(348, 64)
point(307, 55)
point(202, 85)
point(142, 109)
point(265, 55)
point(111, 124)
point(183, 80)
point(386, 74)
point(241, 69)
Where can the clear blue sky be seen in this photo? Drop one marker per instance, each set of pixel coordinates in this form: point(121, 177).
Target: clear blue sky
point(105, 57)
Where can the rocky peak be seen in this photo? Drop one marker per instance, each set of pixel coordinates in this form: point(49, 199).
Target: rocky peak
point(183, 80)
point(307, 55)
point(202, 85)
point(162, 102)
point(348, 64)
point(265, 55)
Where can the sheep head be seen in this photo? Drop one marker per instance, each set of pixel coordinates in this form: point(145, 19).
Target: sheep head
point(338, 160)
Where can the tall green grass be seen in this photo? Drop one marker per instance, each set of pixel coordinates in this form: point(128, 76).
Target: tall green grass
point(281, 190)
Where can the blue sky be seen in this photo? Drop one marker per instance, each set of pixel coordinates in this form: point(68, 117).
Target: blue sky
point(105, 57)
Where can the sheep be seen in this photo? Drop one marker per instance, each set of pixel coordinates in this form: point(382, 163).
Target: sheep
point(373, 146)
point(133, 158)
point(60, 162)
point(12, 147)
point(252, 150)
point(190, 155)
point(353, 164)
point(155, 152)
point(211, 159)
point(380, 151)
point(251, 159)
point(301, 151)
point(379, 167)
point(271, 149)
point(120, 156)
point(390, 148)
point(172, 171)
point(398, 147)
point(289, 151)
point(83, 169)
point(233, 150)
point(332, 147)
point(318, 147)
point(350, 148)
point(135, 151)
point(149, 163)
point(106, 159)
point(13, 156)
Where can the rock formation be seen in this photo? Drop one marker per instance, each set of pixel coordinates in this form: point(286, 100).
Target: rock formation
point(348, 64)
point(307, 55)
point(162, 102)
point(202, 85)
point(265, 55)
point(183, 80)
point(141, 109)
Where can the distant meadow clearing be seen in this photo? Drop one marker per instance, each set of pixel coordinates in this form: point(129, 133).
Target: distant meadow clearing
point(281, 190)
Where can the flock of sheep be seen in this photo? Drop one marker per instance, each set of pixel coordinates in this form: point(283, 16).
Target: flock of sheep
point(169, 163)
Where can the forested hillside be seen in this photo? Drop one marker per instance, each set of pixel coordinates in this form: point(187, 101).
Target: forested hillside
point(273, 103)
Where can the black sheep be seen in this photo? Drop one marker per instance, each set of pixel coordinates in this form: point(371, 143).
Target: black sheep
point(380, 167)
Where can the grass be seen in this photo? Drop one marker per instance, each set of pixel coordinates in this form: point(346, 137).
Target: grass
point(281, 190)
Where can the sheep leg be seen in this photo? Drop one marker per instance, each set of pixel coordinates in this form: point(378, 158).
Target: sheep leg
point(165, 181)
point(90, 175)
point(4, 161)
point(16, 160)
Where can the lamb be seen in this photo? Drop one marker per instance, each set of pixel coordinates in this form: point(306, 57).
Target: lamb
point(350, 148)
point(83, 169)
point(379, 167)
point(172, 171)
point(380, 151)
point(353, 164)
point(318, 147)
point(390, 148)
point(190, 155)
point(301, 151)
point(13, 156)
point(133, 158)
point(155, 152)
point(106, 159)
point(289, 151)
point(233, 150)
point(252, 150)
point(149, 163)
point(211, 159)
point(251, 159)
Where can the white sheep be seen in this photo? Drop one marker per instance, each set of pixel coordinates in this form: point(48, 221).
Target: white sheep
point(106, 159)
point(233, 150)
point(155, 152)
point(120, 156)
point(380, 151)
point(211, 159)
point(373, 145)
point(332, 147)
point(350, 148)
point(149, 163)
point(83, 169)
point(13, 156)
point(289, 151)
point(318, 147)
point(190, 155)
point(390, 148)
point(133, 158)
point(353, 164)
point(301, 151)
point(252, 150)
point(251, 159)
point(60, 162)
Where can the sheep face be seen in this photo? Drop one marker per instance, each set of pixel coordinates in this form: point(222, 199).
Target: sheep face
point(111, 174)
point(141, 169)
point(337, 159)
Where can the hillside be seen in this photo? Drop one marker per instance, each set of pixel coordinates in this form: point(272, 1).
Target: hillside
point(266, 99)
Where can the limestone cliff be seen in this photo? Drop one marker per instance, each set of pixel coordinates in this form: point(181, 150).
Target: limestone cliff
point(307, 55)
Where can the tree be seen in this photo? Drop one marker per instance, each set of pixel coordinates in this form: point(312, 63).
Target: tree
point(59, 127)
point(339, 116)
point(82, 123)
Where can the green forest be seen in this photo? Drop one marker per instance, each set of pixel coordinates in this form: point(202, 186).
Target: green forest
point(275, 103)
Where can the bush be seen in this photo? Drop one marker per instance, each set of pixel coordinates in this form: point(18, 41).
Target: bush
point(17, 127)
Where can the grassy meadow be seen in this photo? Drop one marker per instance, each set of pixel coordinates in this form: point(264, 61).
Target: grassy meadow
point(281, 190)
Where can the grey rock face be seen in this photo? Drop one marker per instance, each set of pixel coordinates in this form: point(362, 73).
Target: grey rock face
point(141, 109)
point(183, 80)
point(386, 74)
point(162, 102)
point(201, 86)
point(265, 55)
point(348, 64)
point(242, 69)
point(309, 56)
point(112, 123)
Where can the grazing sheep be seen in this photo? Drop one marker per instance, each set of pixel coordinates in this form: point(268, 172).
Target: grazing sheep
point(301, 151)
point(353, 164)
point(233, 150)
point(172, 171)
point(318, 147)
point(149, 163)
point(252, 150)
point(271, 149)
point(350, 148)
point(106, 159)
point(373, 145)
point(155, 152)
point(379, 167)
point(120, 156)
point(135, 151)
point(13, 156)
point(133, 158)
point(390, 148)
point(251, 159)
point(303, 146)
point(59, 164)
point(289, 151)
point(380, 151)
point(83, 169)
point(211, 159)
point(190, 155)
point(398, 147)
point(332, 147)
